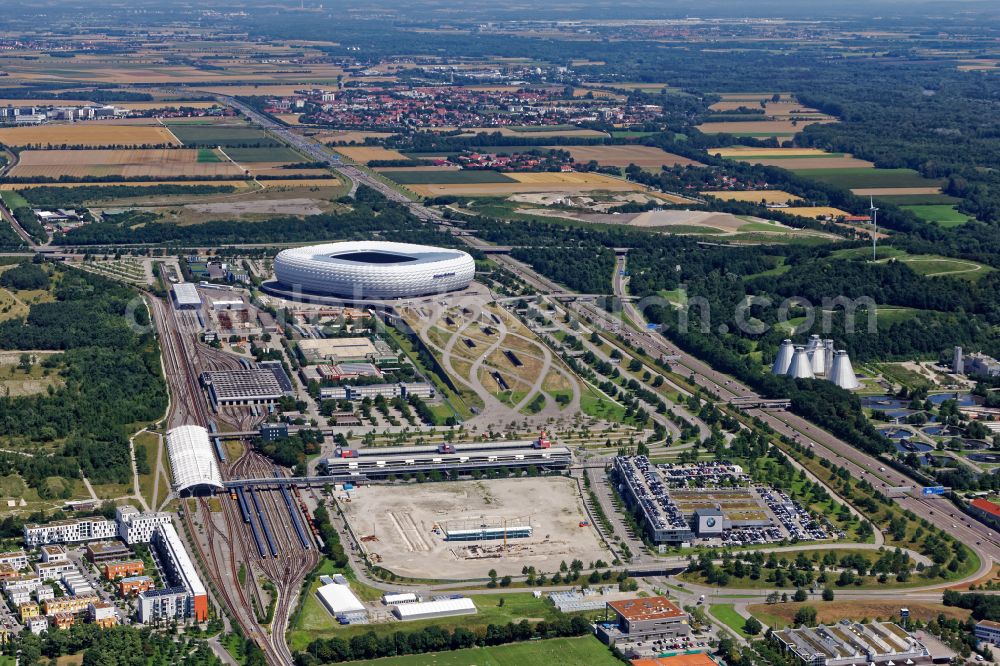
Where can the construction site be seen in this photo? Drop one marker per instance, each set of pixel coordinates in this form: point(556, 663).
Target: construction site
point(463, 529)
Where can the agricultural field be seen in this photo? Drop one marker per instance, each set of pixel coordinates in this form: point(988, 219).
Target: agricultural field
point(87, 134)
point(746, 153)
point(622, 156)
point(128, 163)
point(516, 183)
point(942, 215)
point(366, 154)
point(815, 212)
point(867, 178)
point(758, 128)
point(277, 154)
point(552, 652)
point(332, 137)
point(925, 264)
point(212, 135)
point(754, 196)
point(443, 176)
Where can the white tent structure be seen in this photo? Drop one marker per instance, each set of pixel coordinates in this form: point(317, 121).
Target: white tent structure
point(192, 460)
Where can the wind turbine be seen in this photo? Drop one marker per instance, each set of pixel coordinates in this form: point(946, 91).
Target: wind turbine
point(874, 211)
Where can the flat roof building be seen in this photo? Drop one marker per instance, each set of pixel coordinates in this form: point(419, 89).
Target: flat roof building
point(422, 610)
point(69, 531)
point(136, 526)
point(641, 619)
point(989, 631)
point(339, 599)
point(337, 350)
point(107, 551)
point(186, 296)
point(181, 571)
point(847, 643)
point(257, 386)
point(192, 460)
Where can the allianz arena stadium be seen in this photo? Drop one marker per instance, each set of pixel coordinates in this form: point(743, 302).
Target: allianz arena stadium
point(366, 270)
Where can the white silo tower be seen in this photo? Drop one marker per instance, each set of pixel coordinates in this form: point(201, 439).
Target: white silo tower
point(828, 347)
point(842, 373)
point(801, 367)
point(818, 358)
point(784, 359)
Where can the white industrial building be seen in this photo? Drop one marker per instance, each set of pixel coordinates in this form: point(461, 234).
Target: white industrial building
point(186, 296)
point(340, 600)
point(399, 598)
point(423, 610)
point(69, 531)
point(192, 460)
point(136, 526)
point(373, 269)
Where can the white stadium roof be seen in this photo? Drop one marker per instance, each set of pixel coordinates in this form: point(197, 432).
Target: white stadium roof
point(374, 269)
point(192, 459)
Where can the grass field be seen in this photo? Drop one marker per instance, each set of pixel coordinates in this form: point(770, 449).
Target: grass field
point(942, 215)
point(316, 622)
point(727, 615)
point(414, 177)
point(778, 616)
point(208, 155)
point(585, 650)
point(930, 265)
point(86, 134)
point(901, 199)
point(867, 177)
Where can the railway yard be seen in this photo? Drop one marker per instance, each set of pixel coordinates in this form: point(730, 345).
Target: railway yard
point(474, 435)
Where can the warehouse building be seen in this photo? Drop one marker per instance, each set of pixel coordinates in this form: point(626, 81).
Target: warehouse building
point(186, 296)
point(136, 526)
point(69, 531)
point(847, 643)
point(256, 386)
point(192, 460)
point(425, 610)
point(338, 598)
point(643, 619)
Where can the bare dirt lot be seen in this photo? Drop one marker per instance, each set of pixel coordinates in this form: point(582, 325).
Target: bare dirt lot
point(754, 196)
point(402, 519)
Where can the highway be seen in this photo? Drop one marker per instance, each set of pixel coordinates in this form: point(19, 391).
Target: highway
point(861, 465)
